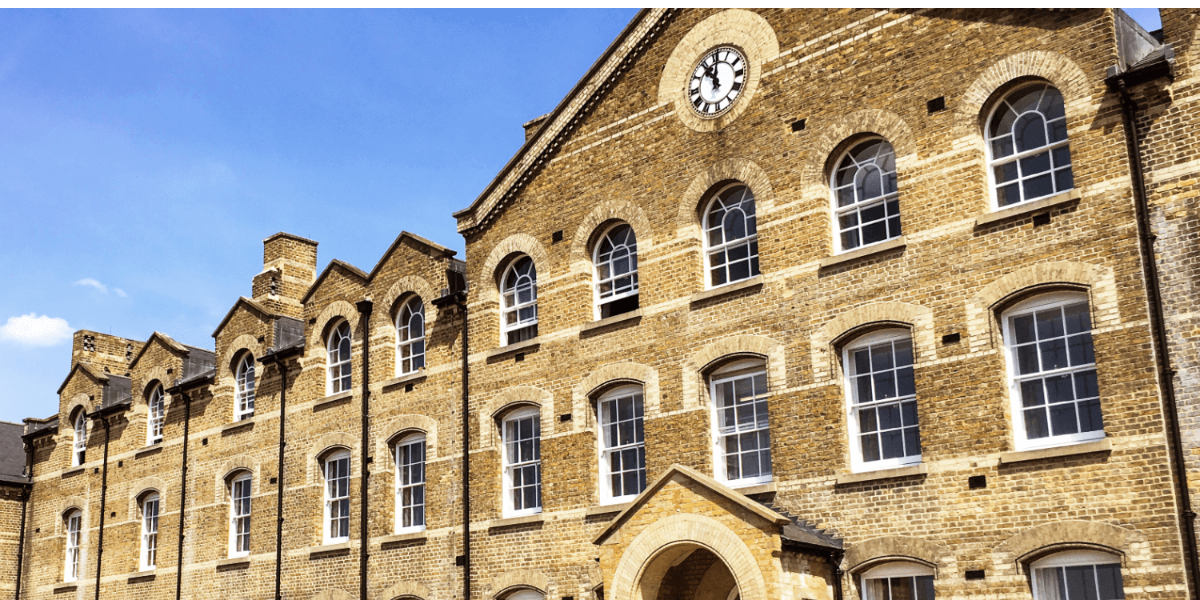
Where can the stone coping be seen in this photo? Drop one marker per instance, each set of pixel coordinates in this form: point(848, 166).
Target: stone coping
point(607, 509)
point(505, 351)
point(238, 426)
point(873, 249)
point(413, 377)
point(329, 551)
point(72, 471)
point(1028, 207)
point(141, 577)
point(909, 471)
point(327, 400)
point(154, 448)
point(237, 562)
point(719, 293)
point(596, 327)
point(1104, 445)
point(63, 588)
point(412, 536)
point(515, 521)
point(754, 490)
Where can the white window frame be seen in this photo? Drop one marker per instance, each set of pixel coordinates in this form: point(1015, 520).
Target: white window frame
point(410, 477)
point(79, 447)
point(857, 206)
point(409, 339)
point(332, 497)
point(526, 594)
point(151, 508)
point(240, 506)
point(338, 372)
point(736, 370)
point(598, 262)
point(993, 162)
point(893, 570)
point(853, 407)
point(511, 467)
point(750, 240)
point(515, 307)
point(1072, 558)
point(73, 527)
point(243, 407)
point(1041, 302)
point(607, 451)
point(156, 415)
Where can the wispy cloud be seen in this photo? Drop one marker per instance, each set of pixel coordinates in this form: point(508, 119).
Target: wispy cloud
point(34, 330)
point(103, 289)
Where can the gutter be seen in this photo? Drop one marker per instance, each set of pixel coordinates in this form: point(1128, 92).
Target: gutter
point(364, 307)
point(273, 357)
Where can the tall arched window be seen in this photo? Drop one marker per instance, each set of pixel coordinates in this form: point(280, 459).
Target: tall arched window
point(622, 444)
point(337, 497)
point(731, 234)
point(898, 581)
point(409, 454)
point(1027, 145)
point(522, 436)
point(882, 401)
point(156, 415)
point(866, 199)
point(1078, 575)
point(410, 337)
point(239, 514)
point(79, 448)
point(149, 550)
point(73, 526)
point(742, 437)
point(519, 289)
point(337, 361)
point(244, 403)
point(616, 263)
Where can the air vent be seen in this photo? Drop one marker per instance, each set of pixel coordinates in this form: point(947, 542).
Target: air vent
point(952, 338)
point(977, 482)
point(408, 387)
point(975, 575)
point(798, 125)
point(936, 105)
point(520, 357)
point(556, 237)
point(1042, 219)
point(564, 418)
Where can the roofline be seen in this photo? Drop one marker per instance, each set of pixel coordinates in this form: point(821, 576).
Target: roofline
point(98, 376)
point(329, 269)
point(165, 339)
point(396, 243)
point(290, 236)
point(248, 302)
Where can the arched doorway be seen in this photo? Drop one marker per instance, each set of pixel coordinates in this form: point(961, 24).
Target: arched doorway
point(687, 571)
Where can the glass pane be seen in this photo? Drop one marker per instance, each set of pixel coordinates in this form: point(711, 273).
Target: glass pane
point(1022, 327)
point(1062, 419)
point(1081, 582)
point(1109, 579)
point(1038, 163)
point(1035, 424)
point(1038, 187)
point(870, 448)
point(892, 443)
point(1089, 416)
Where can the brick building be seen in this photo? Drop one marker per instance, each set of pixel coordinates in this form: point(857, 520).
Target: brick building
point(816, 304)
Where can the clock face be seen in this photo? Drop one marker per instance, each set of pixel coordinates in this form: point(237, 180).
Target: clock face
point(717, 81)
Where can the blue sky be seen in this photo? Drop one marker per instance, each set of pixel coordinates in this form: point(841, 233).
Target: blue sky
point(144, 155)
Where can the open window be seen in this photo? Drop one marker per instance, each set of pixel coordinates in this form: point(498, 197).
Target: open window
point(898, 581)
point(244, 401)
point(616, 262)
point(731, 236)
point(79, 444)
point(156, 415)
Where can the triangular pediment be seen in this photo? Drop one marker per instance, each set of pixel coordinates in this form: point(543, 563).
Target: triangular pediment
point(414, 243)
point(249, 306)
point(95, 376)
point(338, 268)
point(163, 341)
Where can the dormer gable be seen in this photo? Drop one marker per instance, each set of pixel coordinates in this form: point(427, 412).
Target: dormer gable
point(161, 340)
point(248, 306)
point(93, 375)
point(340, 268)
point(415, 242)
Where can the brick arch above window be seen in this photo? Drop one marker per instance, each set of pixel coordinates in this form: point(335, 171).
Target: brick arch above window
point(1036, 542)
point(510, 581)
point(234, 351)
point(584, 394)
point(330, 442)
point(406, 589)
point(866, 554)
point(401, 291)
point(399, 426)
point(140, 489)
point(731, 169)
point(67, 505)
point(338, 309)
point(78, 401)
point(508, 399)
point(771, 351)
point(154, 377)
point(229, 469)
point(608, 211)
point(860, 319)
point(834, 135)
point(1078, 93)
point(518, 243)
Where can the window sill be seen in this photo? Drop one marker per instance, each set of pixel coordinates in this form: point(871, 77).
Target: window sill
point(623, 320)
point(1104, 445)
point(73, 471)
point(720, 293)
point(506, 351)
point(853, 255)
point(754, 490)
point(607, 509)
point(413, 377)
point(65, 588)
point(329, 551)
point(329, 401)
point(141, 577)
point(400, 538)
point(515, 521)
point(1026, 208)
point(154, 448)
point(233, 564)
point(894, 473)
point(238, 427)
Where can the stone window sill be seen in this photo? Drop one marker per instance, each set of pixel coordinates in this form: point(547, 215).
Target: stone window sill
point(329, 551)
point(334, 399)
point(607, 509)
point(141, 577)
point(1104, 445)
point(506, 351)
point(1026, 208)
point(720, 293)
point(154, 448)
point(515, 521)
point(872, 250)
point(597, 327)
point(72, 472)
point(230, 564)
point(64, 588)
point(754, 490)
point(413, 377)
point(238, 426)
point(399, 538)
point(909, 471)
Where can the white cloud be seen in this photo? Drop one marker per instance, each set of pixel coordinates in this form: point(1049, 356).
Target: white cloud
point(32, 330)
point(88, 281)
point(120, 292)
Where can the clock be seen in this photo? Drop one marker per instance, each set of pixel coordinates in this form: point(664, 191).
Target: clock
point(717, 81)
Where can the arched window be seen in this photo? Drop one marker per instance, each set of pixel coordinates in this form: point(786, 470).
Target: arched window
point(731, 235)
point(616, 263)
point(898, 581)
point(73, 526)
point(525, 594)
point(1052, 371)
point(882, 401)
point(1078, 575)
point(622, 444)
point(522, 434)
point(866, 199)
point(156, 415)
point(409, 454)
point(79, 448)
point(244, 404)
point(742, 430)
point(149, 553)
point(1027, 145)
point(239, 515)
point(338, 359)
point(410, 337)
point(337, 497)
point(519, 288)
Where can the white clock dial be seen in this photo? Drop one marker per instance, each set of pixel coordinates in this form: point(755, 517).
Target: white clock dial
point(717, 81)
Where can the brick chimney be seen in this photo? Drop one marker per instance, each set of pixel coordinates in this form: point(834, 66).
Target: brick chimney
point(289, 268)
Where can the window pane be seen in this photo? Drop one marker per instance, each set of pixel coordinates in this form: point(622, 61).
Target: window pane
point(1081, 583)
point(1035, 424)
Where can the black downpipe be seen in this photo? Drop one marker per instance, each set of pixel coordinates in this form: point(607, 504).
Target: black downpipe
point(364, 309)
point(461, 302)
point(277, 360)
point(1166, 374)
point(26, 494)
point(835, 561)
point(187, 420)
point(103, 506)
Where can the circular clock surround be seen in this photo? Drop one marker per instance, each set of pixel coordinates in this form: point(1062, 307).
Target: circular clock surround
point(717, 81)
